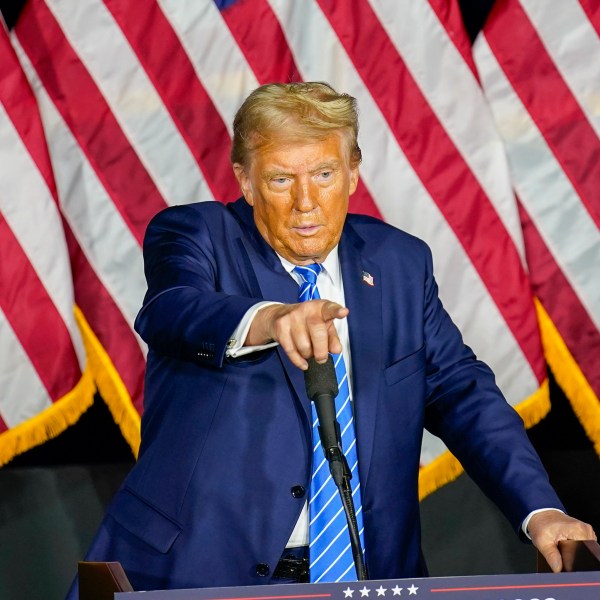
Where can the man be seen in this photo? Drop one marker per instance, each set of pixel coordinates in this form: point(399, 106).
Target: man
point(220, 490)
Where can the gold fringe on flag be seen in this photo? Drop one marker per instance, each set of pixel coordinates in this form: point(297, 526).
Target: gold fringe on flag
point(50, 422)
point(447, 468)
point(572, 381)
point(110, 385)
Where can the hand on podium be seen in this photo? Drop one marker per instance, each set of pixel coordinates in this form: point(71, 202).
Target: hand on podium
point(549, 527)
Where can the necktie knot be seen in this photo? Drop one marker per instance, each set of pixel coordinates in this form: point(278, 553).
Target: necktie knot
point(309, 273)
point(308, 286)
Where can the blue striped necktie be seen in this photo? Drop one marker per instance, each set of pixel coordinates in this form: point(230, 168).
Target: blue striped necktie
point(330, 550)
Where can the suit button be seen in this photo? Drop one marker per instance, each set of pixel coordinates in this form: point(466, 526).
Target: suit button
point(262, 569)
point(298, 491)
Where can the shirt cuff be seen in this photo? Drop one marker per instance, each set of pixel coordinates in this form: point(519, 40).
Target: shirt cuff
point(235, 345)
point(525, 523)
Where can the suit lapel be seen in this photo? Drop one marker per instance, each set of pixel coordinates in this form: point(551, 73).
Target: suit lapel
point(366, 338)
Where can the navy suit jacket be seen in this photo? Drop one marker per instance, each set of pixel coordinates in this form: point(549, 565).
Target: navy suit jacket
point(225, 441)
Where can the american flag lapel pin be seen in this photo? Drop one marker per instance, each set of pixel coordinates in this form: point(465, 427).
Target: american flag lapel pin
point(368, 278)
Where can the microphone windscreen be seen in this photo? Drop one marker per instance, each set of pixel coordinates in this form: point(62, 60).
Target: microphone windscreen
point(320, 379)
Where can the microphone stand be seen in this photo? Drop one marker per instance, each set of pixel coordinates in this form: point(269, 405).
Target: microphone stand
point(341, 475)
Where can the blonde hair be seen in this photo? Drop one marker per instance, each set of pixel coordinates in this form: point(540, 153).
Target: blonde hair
point(294, 112)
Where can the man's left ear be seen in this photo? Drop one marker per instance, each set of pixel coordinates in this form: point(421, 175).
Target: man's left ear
point(244, 182)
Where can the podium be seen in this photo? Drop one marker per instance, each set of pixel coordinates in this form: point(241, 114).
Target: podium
point(579, 581)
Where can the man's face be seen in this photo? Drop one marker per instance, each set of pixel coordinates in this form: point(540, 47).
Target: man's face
point(299, 192)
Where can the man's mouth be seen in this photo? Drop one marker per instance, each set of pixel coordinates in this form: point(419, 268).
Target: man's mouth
point(307, 230)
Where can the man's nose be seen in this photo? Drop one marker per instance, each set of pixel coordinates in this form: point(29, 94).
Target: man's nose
point(305, 196)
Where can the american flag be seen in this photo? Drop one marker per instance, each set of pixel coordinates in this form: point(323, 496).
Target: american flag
point(489, 153)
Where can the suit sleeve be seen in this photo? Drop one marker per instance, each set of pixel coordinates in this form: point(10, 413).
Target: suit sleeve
point(186, 314)
point(466, 409)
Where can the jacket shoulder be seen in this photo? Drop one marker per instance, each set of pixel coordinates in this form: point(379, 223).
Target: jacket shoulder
point(209, 211)
point(383, 237)
point(212, 217)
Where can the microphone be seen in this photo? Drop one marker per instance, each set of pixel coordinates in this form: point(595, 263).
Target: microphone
point(322, 388)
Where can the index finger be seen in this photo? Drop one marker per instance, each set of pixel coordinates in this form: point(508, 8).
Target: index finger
point(333, 310)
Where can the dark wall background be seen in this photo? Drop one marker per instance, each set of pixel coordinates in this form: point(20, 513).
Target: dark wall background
point(53, 497)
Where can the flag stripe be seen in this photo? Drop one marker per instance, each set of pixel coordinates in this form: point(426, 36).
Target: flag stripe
point(261, 44)
point(570, 234)
point(88, 116)
point(191, 109)
point(450, 17)
point(544, 94)
point(109, 244)
point(23, 150)
point(33, 235)
point(562, 303)
point(592, 11)
point(108, 323)
point(436, 65)
point(46, 341)
point(578, 64)
point(3, 425)
point(452, 186)
point(23, 393)
point(218, 61)
point(108, 274)
point(134, 102)
point(19, 102)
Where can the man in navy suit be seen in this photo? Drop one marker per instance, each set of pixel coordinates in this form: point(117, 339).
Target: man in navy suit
point(218, 495)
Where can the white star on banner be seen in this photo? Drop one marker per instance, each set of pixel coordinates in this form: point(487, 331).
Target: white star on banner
point(381, 591)
point(348, 593)
point(397, 590)
point(364, 592)
point(412, 590)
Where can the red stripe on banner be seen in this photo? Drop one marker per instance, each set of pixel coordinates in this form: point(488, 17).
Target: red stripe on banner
point(3, 425)
point(451, 19)
point(361, 202)
point(20, 104)
point(592, 11)
point(261, 44)
point(173, 75)
point(34, 318)
point(536, 80)
point(89, 117)
point(107, 322)
point(441, 168)
point(562, 303)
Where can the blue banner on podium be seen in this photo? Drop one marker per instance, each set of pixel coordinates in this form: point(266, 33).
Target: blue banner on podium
point(547, 586)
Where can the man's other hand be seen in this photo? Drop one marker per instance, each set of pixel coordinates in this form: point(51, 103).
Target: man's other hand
point(549, 527)
point(303, 330)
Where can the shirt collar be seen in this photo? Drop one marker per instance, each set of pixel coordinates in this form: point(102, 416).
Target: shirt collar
point(331, 266)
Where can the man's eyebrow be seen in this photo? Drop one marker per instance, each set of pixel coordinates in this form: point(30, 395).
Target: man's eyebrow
point(276, 173)
point(330, 164)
